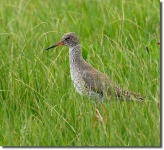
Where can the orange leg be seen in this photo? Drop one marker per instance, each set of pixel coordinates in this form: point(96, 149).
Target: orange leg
point(98, 116)
point(104, 114)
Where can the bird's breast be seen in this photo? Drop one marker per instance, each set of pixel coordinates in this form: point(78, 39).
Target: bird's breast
point(77, 80)
point(80, 85)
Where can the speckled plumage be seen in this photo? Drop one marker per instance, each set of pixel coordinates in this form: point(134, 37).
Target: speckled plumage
point(86, 79)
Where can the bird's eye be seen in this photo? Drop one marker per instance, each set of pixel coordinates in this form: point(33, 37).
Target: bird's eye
point(67, 39)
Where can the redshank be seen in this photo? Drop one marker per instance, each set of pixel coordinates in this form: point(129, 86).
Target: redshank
point(89, 81)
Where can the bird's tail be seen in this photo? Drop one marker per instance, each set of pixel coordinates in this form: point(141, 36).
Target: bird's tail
point(122, 94)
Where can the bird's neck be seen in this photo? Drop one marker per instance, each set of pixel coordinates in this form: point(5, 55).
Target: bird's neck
point(75, 56)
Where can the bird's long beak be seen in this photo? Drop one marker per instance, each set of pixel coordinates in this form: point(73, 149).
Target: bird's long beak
point(58, 44)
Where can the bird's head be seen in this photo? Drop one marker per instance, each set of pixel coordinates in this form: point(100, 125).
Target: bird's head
point(68, 39)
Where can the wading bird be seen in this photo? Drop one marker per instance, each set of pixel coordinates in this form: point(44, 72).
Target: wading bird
point(89, 81)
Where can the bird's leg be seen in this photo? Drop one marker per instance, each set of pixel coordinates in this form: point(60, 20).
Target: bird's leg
point(96, 115)
point(104, 114)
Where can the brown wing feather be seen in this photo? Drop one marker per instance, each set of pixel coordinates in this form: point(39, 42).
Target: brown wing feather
point(96, 81)
point(100, 83)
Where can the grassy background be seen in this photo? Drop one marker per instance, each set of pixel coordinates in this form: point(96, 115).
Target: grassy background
point(39, 105)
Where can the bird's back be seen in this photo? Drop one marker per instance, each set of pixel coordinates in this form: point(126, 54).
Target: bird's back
point(101, 85)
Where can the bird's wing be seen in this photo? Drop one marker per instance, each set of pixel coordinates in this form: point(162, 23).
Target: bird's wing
point(95, 81)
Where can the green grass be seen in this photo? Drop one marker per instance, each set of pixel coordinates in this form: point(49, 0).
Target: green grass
point(39, 105)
